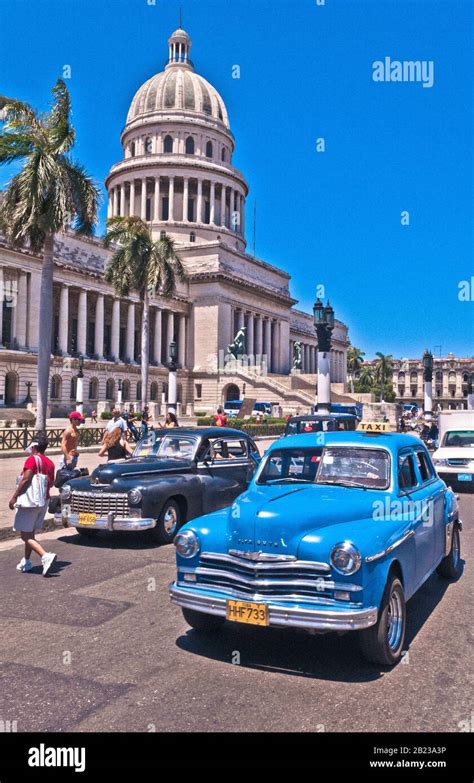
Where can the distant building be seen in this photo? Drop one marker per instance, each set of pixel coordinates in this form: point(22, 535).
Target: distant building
point(177, 173)
point(450, 381)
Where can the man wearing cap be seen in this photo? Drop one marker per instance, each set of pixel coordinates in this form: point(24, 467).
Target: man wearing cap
point(30, 519)
point(69, 441)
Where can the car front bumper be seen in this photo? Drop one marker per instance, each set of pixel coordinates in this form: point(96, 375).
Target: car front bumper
point(111, 522)
point(281, 614)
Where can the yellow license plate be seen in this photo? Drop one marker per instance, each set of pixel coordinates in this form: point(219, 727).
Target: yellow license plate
point(87, 519)
point(246, 612)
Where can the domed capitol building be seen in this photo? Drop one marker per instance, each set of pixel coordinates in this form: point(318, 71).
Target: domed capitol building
point(177, 174)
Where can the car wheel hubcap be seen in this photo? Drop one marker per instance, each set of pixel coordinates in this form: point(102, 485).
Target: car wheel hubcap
point(395, 620)
point(170, 520)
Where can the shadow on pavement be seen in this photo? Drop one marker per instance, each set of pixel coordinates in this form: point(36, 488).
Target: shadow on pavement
point(105, 540)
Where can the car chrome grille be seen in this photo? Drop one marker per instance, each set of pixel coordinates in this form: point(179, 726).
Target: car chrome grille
point(100, 503)
point(277, 578)
point(458, 463)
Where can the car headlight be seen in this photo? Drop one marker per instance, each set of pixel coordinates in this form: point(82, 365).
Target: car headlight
point(440, 462)
point(135, 497)
point(187, 543)
point(66, 492)
point(345, 558)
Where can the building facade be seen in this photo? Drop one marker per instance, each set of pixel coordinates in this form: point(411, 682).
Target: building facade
point(451, 377)
point(177, 174)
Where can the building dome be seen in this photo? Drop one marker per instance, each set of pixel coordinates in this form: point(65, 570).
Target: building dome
point(178, 88)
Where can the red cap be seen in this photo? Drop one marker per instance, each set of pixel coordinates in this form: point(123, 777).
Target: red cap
point(75, 415)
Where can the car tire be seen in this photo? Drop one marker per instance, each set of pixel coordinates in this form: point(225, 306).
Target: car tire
point(168, 523)
point(85, 533)
point(382, 643)
point(204, 623)
point(450, 566)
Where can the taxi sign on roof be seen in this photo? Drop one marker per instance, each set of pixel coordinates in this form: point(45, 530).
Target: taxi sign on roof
point(374, 426)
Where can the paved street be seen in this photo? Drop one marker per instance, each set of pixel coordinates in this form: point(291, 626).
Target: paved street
point(95, 647)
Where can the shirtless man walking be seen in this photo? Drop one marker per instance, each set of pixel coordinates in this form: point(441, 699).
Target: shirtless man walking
point(69, 441)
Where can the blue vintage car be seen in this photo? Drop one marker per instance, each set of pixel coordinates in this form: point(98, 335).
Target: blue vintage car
point(335, 533)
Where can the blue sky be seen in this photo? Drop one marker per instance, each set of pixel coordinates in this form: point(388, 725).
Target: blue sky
point(331, 218)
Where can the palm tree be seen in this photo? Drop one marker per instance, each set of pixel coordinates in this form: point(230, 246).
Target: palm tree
point(50, 194)
point(141, 264)
point(383, 371)
point(365, 380)
point(355, 357)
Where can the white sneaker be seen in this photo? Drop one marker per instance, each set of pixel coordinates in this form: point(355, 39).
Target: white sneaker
point(47, 561)
point(24, 565)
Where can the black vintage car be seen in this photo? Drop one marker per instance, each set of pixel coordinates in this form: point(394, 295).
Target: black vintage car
point(173, 476)
point(319, 422)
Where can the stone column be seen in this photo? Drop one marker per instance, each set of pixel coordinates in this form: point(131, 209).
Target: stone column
point(240, 319)
point(185, 199)
point(157, 337)
point(63, 319)
point(156, 205)
point(115, 201)
point(223, 189)
point(115, 331)
point(169, 333)
point(143, 200)
point(131, 210)
point(82, 323)
point(275, 346)
point(251, 336)
point(268, 343)
point(182, 341)
point(99, 326)
point(131, 332)
point(199, 201)
point(259, 337)
point(212, 218)
point(110, 206)
point(122, 200)
point(171, 199)
point(21, 316)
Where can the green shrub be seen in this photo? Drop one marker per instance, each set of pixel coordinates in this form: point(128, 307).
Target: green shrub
point(201, 414)
point(106, 415)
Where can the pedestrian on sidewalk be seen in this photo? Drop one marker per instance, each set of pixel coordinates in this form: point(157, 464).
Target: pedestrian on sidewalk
point(30, 500)
point(94, 417)
point(115, 445)
point(220, 418)
point(69, 441)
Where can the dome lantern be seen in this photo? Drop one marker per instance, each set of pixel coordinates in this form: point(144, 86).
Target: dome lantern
point(179, 47)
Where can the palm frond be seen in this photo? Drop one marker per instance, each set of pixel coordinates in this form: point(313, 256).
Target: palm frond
point(61, 134)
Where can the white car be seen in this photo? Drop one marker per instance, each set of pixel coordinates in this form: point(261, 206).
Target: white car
point(454, 459)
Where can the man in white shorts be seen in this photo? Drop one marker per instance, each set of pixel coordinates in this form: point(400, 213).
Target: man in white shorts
point(29, 520)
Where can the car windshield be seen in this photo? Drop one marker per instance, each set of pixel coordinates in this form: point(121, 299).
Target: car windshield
point(166, 446)
point(460, 438)
point(355, 467)
point(290, 466)
point(148, 446)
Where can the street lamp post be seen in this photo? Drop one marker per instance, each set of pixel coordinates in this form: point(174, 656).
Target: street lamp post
point(428, 381)
point(172, 378)
point(119, 394)
point(470, 395)
point(324, 325)
point(80, 387)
